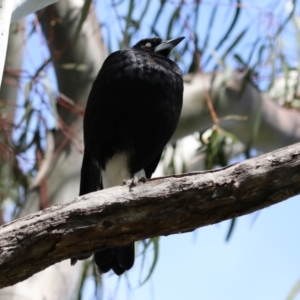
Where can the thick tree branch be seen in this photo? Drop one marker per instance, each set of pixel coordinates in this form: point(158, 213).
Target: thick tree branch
point(162, 206)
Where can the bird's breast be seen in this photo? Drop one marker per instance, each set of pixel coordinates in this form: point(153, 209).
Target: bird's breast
point(117, 170)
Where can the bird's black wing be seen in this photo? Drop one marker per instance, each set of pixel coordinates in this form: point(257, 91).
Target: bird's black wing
point(102, 113)
point(90, 180)
point(92, 126)
point(150, 168)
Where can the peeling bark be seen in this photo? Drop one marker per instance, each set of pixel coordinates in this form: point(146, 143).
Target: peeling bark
point(162, 206)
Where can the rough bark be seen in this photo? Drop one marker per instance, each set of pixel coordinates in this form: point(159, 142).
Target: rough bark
point(162, 206)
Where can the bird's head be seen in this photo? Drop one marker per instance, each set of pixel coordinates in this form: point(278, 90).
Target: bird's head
point(157, 45)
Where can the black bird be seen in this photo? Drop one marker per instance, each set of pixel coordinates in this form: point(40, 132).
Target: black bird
point(131, 114)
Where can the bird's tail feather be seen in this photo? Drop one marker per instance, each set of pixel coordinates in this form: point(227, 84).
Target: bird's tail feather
point(119, 259)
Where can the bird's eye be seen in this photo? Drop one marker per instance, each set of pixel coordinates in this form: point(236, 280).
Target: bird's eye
point(148, 45)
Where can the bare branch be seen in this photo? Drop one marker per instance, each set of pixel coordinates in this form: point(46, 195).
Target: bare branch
point(162, 206)
point(46, 162)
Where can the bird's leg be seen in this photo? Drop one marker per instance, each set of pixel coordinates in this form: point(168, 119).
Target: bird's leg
point(134, 181)
point(142, 179)
point(131, 183)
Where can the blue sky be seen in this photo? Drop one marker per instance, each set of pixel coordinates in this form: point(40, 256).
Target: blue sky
point(261, 260)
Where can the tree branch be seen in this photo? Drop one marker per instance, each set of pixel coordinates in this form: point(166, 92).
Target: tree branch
point(11, 11)
point(233, 94)
point(162, 206)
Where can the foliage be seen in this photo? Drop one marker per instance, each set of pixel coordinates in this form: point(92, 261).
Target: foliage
point(223, 36)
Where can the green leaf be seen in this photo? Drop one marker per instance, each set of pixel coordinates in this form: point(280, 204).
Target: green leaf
point(144, 12)
point(284, 23)
point(127, 35)
point(51, 97)
point(209, 28)
point(194, 66)
point(234, 43)
point(155, 242)
point(229, 30)
point(294, 292)
point(214, 143)
point(197, 14)
point(231, 227)
point(254, 130)
point(83, 15)
point(173, 20)
point(157, 16)
point(240, 60)
point(84, 275)
point(21, 145)
point(262, 48)
point(169, 166)
point(272, 58)
point(253, 48)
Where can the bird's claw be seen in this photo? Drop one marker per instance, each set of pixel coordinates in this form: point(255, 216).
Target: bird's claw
point(134, 182)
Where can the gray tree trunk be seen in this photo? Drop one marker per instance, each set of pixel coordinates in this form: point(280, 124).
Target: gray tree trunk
point(61, 281)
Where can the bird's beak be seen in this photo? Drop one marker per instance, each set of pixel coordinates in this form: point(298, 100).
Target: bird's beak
point(166, 47)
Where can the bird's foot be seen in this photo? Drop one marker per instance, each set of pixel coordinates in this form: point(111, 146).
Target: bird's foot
point(134, 182)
